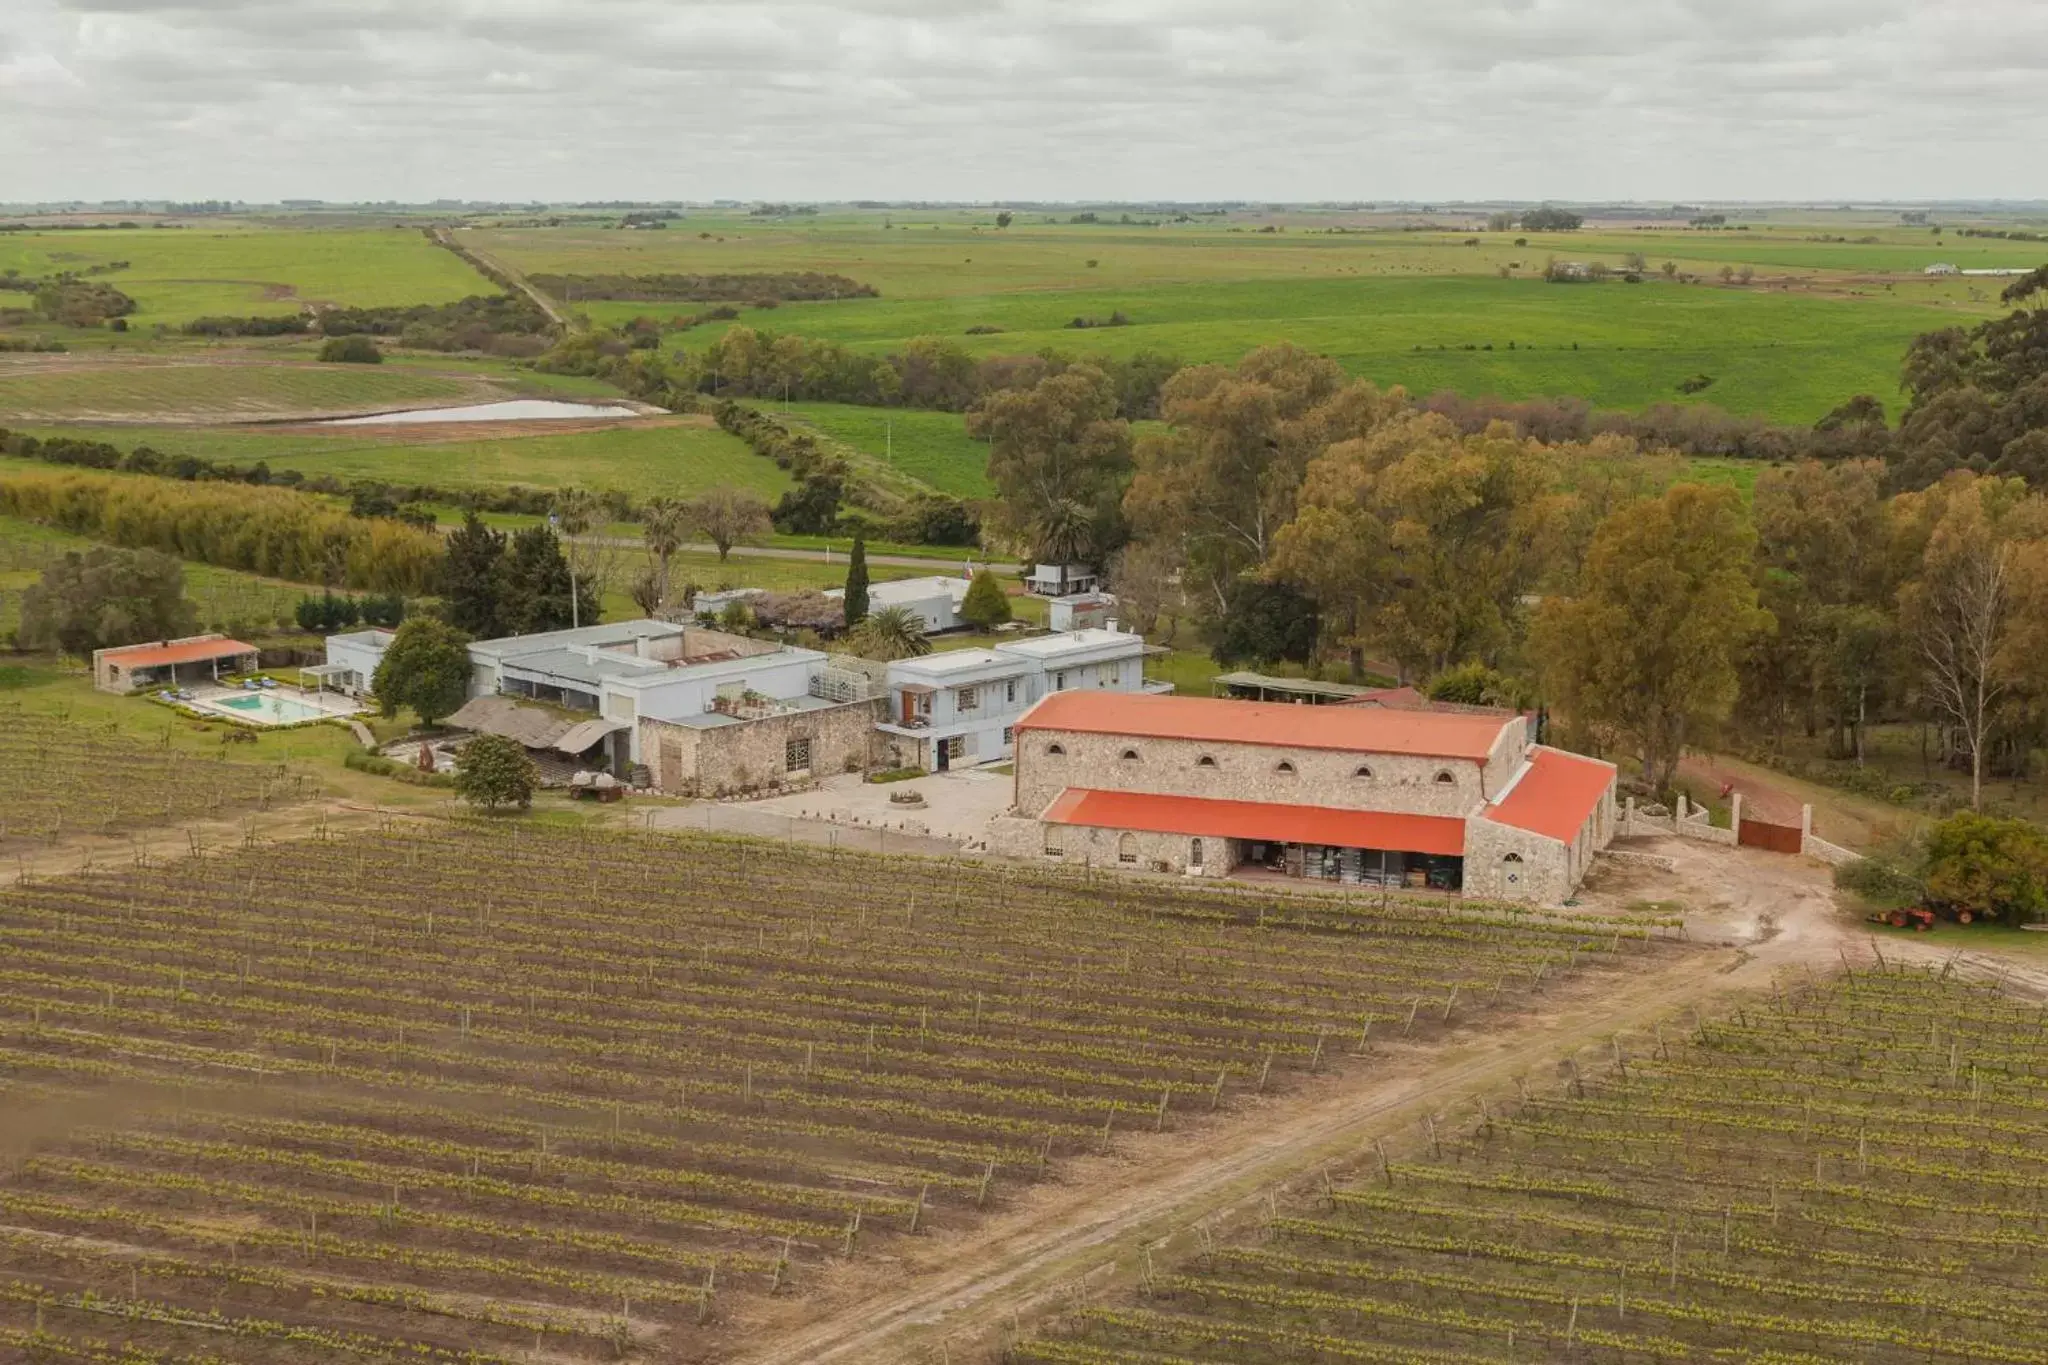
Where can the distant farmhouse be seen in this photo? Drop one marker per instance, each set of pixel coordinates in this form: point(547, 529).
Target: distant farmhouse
point(1353, 793)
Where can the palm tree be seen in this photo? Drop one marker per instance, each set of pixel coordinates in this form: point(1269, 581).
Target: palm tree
point(890, 633)
point(665, 525)
point(1066, 532)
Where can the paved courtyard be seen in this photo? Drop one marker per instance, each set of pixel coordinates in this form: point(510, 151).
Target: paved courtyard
point(958, 805)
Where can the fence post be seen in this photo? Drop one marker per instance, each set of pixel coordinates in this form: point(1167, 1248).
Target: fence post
point(1735, 815)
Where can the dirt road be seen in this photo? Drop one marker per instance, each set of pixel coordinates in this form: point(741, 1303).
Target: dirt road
point(1750, 915)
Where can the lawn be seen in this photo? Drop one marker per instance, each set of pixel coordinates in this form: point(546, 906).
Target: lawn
point(177, 274)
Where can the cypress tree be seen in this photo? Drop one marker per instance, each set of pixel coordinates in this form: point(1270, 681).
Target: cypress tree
point(473, 580)
point(537, 586)
point(857, 582)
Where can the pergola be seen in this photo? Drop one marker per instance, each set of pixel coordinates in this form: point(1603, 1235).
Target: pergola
point(321, 675)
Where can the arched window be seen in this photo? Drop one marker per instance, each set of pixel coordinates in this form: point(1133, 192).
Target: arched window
point(1129, 755)
point(1127, 848)
point(1205, 762)
point(1056, 750)
point(1363, 772)
point(1445, 778)
point(1284, 768)
point(1512, 858)
point(1195, 853)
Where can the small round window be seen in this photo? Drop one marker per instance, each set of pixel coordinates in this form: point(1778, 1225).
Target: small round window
point(1056, 750)
point(1284, 768)
point(1363, 772)
point(1445, 778)
point(1129, 755)
point(1205, 762)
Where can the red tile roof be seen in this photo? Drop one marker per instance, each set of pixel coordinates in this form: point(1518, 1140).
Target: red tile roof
point(1359, 729)
point(1206, 818)
point(1557, 793)
point(181, 652)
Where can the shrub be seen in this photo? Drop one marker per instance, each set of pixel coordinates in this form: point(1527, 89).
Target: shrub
point(354, 349)
point(492, 771)
point(986, 604)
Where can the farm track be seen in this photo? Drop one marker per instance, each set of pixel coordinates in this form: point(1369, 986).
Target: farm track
point(967, 1292)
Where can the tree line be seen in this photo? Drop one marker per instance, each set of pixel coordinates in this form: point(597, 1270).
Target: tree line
point(270, 531)
point(1290, 512)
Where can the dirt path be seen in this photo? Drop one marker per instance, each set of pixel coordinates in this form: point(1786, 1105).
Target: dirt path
point(1761, 800)
point(475, 258)
point(961, 1293)
point(1750, 915)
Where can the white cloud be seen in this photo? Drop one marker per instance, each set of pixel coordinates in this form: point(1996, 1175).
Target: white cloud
point(1281, 99)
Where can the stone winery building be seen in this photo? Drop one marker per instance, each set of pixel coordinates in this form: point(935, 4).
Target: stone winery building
point(1360, 795)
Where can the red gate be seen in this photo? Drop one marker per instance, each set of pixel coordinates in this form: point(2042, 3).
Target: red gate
point(1763, 834)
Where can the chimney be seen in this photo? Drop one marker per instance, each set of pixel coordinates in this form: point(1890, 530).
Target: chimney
point(640, 647)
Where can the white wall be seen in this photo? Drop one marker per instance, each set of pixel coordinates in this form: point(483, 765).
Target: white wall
point(689, 691)
point(358, 656)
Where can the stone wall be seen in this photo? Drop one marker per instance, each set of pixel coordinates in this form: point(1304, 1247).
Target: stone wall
point(1090, 846)
point(1255, 772)
point(752, 755)
point(1686, 822)
point(1509, 864)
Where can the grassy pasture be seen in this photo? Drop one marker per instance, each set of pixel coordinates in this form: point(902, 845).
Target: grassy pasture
point(1810, 331)
point(199, 390)
point(931, 447)
point(642, 459)
point(177, 274)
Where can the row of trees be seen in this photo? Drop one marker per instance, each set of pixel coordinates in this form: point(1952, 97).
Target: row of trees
point(269, 531)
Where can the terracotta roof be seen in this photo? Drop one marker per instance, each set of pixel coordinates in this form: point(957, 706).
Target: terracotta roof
point(180, 652)
point(1555, 795)
point(1360, 729)
point(1207, 818)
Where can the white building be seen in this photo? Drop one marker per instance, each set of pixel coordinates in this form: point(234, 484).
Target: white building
point(622, 672)
point(356, 656)
point(957, 708)
point(933, 600)
point(1082, 611)
point(1061, 580)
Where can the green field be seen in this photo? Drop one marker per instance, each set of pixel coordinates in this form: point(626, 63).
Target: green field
point(931, 447)
point(1819, 322)
point(84, 390)
point(673, 459)
point(177, 274)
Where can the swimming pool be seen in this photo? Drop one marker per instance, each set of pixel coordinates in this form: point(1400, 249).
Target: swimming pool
point(265, 708)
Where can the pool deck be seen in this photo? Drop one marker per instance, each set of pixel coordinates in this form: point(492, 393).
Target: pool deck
point(331, 705)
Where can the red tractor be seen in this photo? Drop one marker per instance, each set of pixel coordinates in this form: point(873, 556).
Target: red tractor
point(1919, 916)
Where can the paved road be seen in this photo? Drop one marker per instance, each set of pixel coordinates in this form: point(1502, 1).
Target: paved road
point(823, 556)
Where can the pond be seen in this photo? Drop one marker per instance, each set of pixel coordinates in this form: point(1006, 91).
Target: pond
point(512, 410)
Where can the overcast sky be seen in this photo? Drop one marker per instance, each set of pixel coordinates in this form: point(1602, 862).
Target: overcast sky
point(1054, 99)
